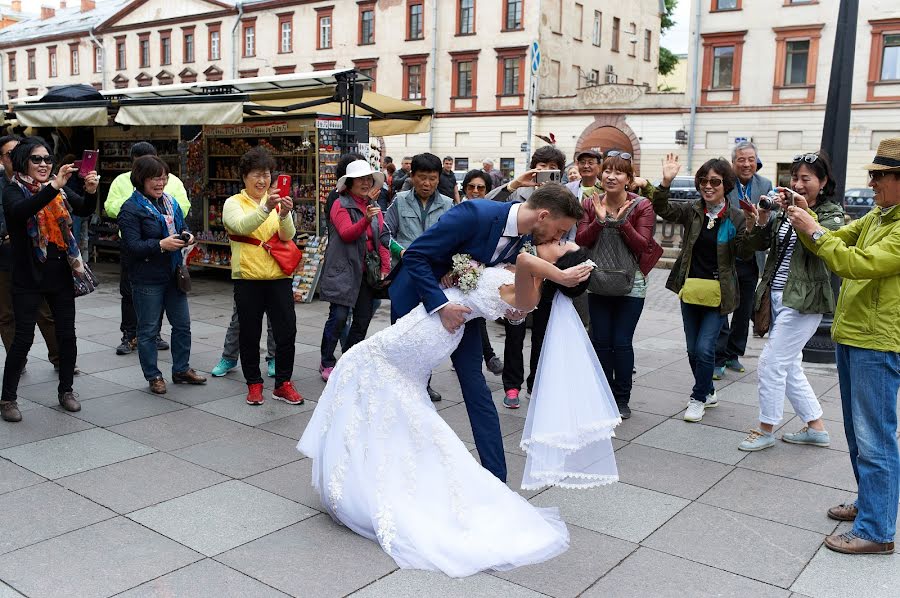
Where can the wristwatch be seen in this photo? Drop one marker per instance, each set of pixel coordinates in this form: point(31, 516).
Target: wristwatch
point(817, 235)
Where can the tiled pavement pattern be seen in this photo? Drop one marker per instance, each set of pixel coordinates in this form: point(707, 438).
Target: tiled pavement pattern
point(197, 494)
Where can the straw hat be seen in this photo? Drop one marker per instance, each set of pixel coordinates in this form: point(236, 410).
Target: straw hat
point(887, 157)
point(360, 168)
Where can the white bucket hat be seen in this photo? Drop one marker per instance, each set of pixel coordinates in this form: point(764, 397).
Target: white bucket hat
point(360, 168)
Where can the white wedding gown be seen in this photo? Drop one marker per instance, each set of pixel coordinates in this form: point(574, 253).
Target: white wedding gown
point(388, 467)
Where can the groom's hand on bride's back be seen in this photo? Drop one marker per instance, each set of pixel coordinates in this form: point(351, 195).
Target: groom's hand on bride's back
point(453, 316)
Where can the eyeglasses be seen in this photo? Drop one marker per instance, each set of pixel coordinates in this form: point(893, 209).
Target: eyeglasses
point(472, 187)
point(36, 160)
point(808, 158)
point(711, 181)
point(160, 179)
point(614, 153)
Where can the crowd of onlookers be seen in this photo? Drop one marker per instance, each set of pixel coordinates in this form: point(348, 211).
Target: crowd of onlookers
point(748, 252)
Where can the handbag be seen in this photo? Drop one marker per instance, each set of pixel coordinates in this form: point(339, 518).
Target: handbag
point(285, 253)
point(762, 314)
point(616, 264)
point(373, 268)
point(183, 278)
point(83, 279)
point(701, 291)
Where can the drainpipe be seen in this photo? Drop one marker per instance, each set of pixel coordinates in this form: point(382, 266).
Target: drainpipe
point(695, 86)
point(434, 34)
point(234, 42)
point(2, 83)
point(99, 45)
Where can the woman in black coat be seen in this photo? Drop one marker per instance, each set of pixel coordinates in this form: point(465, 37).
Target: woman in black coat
point(46, 262)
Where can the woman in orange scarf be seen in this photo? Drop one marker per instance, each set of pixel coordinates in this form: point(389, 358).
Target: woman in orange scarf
point(46, 262)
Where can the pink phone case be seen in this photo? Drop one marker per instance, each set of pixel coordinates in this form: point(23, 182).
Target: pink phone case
point(88, 162)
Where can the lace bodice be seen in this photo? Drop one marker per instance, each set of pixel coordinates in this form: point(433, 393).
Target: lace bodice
point(485, 300)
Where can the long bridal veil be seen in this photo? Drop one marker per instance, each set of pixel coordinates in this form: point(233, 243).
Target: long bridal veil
point(572, 412)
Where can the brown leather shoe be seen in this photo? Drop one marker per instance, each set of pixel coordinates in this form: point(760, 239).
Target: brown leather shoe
point(188, 377)
point(9, 410)
point(67, 401)
point(843, 512)
point(158, 386)
point(849, 543)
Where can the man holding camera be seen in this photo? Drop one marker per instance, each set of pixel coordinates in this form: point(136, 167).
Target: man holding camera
point(750, 186)
point(866, 332)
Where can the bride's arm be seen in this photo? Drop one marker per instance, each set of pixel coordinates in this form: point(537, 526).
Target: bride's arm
point(531, 271)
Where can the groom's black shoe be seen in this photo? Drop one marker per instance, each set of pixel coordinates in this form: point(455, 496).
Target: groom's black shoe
point(624, 410)
point(434, 395)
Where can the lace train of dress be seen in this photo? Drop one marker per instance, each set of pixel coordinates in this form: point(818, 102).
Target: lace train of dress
point(572, 411)
point(388, 467)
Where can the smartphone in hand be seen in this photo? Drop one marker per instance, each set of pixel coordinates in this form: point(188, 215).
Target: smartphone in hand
point(745, 205)
point(88, 162)
point(283, 185)
point(547, 176)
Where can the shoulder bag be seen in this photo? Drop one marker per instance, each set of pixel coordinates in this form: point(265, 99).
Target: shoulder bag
point(285, 253)
point(373, 266)
point(762, 314)
point(616, 264)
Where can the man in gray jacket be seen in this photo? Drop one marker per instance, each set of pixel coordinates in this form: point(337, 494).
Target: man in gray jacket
point(414, 211)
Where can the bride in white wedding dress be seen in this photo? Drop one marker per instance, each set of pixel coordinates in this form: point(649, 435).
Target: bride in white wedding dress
point(388, 467)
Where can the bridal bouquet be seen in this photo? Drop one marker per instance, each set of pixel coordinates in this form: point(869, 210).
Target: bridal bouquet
point(466, 271)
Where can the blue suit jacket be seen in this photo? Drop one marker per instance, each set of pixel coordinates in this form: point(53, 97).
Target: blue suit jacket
point(472, 227)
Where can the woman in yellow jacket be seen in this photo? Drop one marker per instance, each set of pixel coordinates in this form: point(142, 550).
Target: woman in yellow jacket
point(260, 287)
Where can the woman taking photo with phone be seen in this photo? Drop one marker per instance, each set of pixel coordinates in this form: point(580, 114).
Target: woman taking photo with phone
point(704, 275)
point(155, 235)
point(796, 288)
point(256, 216)
point(46, 262)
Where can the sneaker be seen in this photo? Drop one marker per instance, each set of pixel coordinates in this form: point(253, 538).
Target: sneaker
point(757, 441)
point(695, 411)
point(624, 410)
point(270, 368)
point(712, 400)
point(495, 365)
point(223, 367)
point(287, 393)
point(807, 435)
point(511, 400)
point(718, 373)
point(255, 394)
point(161, 345)
point(124, 348)
point(735, 366)
point(326, 372)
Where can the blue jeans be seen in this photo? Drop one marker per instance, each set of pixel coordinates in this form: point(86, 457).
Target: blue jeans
point(149, 303)
point(701, 330)
point(613, 321)
point(869, 381)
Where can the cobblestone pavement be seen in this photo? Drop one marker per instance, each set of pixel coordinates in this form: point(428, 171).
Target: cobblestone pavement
point(197, 494)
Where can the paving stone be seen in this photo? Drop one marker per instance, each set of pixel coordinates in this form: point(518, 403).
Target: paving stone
point(675, 381)
point(589, 557)
point(325, 546)
point(178, 429)
point(73, 453)
point(204, 579)
point(651, 573)
point(242, 453)
point(291, 426)
point(215, 388)
point(618, 510)
point(807, 463)
point(658, 401)
point(833, 575)
point(667, 472)
point(141, 482)
point(44, 511)
point(292, 481)
point(87, 386)
point(38, 371)
point(98, 560)
point(102, 361)
point(737, 543)
point(655, 359)
point(458, 419)
point(221, 517)
point(747, 394)
point(696, 440)
point(637, 424)
point(413, 584)
point(662, 344)
point(125, 407)
point(13, 477)
point(8, 592)
point(236, 408)
point(39, 423)
point(737, 417)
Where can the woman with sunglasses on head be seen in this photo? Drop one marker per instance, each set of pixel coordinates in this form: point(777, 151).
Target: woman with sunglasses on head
point(45, 261)
point(704, 275)
point(617, 226)
point(799, 285)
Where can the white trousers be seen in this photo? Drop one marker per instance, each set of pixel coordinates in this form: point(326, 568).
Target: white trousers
point(780, 369)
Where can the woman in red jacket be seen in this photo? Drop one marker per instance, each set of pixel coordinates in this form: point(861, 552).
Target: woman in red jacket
point(618, 217)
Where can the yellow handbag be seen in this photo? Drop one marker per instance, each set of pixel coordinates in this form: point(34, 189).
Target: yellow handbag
point(701, 291)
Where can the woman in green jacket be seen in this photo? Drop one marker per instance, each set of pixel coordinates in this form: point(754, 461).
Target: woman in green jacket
point(704, 275)
point(799, 285)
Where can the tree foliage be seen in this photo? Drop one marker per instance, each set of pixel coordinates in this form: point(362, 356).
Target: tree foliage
point(667, 61)
point(666, 21)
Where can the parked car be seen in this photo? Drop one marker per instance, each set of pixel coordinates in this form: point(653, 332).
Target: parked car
point(682, 189)
point(858, 202)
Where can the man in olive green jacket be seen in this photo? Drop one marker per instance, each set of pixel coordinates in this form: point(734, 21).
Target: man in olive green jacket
point(866, 330)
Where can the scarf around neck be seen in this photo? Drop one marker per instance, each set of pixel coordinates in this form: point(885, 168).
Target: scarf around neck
point(170, 218)
point(52, 224)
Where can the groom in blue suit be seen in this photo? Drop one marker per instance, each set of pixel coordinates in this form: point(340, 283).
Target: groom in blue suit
point(492, 233)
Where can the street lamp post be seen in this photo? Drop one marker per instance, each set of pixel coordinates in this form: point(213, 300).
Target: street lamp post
point(835, 139)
